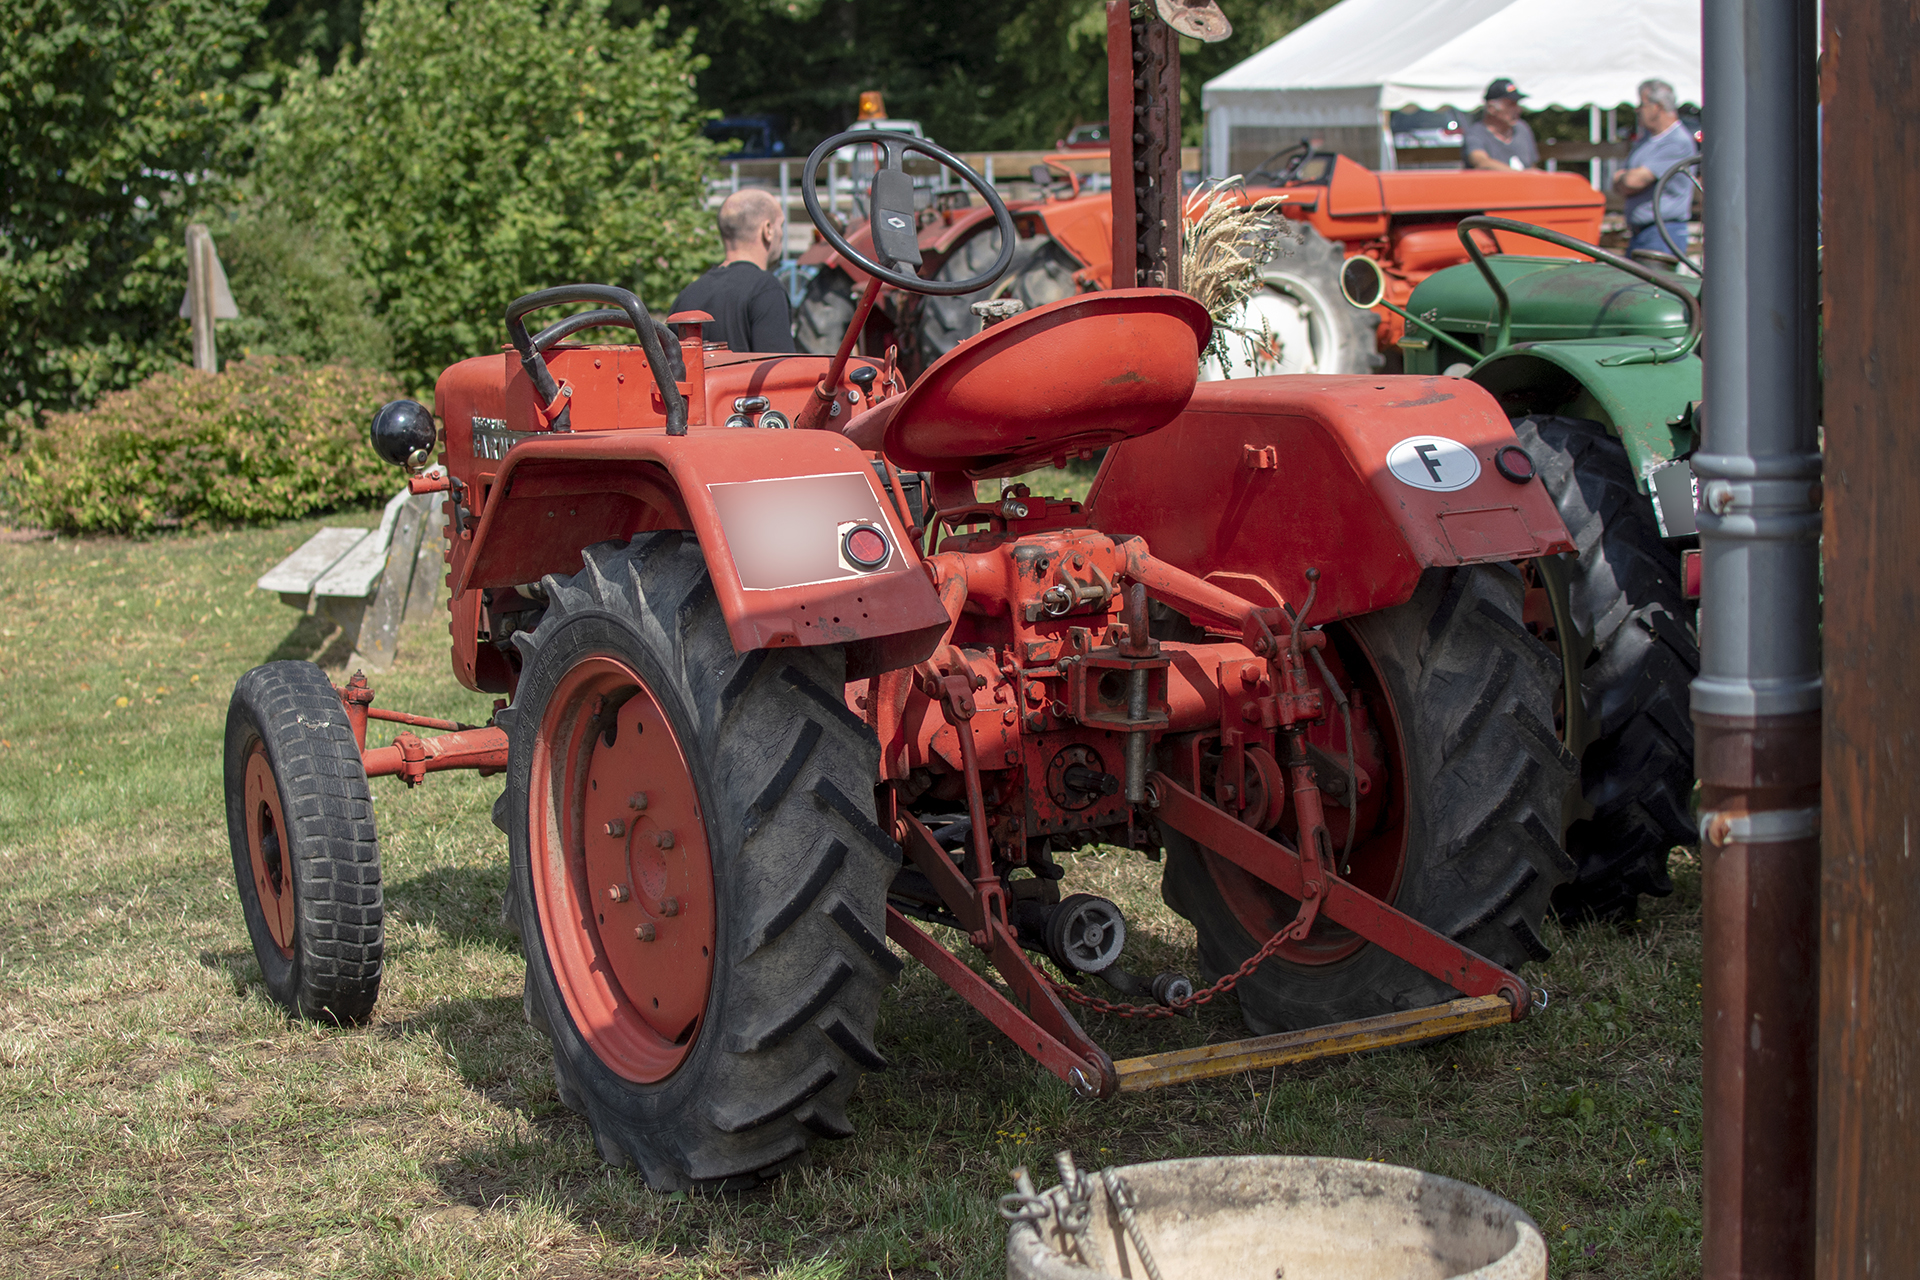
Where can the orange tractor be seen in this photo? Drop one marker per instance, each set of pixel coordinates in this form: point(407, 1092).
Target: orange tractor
point(1406, 221)
point(761, 712)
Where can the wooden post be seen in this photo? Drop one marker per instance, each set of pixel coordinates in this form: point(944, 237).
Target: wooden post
point(200, 297)
point(1869, 1092)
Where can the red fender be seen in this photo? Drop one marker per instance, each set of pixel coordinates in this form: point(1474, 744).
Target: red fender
point(771, 508)
point(1261, 479)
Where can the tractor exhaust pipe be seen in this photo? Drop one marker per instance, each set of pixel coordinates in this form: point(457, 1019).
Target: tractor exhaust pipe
point(1756, 703)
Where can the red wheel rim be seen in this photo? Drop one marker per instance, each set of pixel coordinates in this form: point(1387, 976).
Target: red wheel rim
point(1380, 844)
point(267, 849)
point(622, 876)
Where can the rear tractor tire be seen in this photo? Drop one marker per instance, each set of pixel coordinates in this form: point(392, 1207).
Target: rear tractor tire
point(1638, 652)
point(697, 877)
point(944, 323)
point(825, 311)
point(305, 854)
point(1466, 840)
point(1316, 328)
point(1045, 275)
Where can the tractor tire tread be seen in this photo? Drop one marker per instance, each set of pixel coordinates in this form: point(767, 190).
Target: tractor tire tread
point(334, 975)
point(825, 311)
point(790, 853)
point(1473, 689)
point(938, 325)
point(1625, 587)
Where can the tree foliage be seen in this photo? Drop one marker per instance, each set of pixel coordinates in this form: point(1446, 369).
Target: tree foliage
point(480, 149)
point(299, 292)
point(115, 117)
point(1011, 74)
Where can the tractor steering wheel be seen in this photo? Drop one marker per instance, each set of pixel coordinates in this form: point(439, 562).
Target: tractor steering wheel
point(895, 226)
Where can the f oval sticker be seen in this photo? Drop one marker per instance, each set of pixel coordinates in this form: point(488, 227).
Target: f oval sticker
point(1434, 463)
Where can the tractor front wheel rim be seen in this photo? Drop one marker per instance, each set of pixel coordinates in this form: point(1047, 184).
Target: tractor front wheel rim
point(622, 874)
point(267, 849)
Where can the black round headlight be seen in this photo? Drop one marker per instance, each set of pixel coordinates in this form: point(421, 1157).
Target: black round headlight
point(402, 428)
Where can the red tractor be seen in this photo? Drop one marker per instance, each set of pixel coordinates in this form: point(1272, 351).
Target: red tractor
point(762, 711)
point(1405, 221)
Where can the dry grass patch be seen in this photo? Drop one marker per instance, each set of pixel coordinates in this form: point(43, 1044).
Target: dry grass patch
point(164, 1119)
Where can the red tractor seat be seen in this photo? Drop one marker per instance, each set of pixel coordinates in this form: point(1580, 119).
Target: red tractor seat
point(1076, 374)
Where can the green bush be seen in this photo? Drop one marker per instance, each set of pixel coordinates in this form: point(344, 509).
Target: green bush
point(269, 439)
point(477, 150)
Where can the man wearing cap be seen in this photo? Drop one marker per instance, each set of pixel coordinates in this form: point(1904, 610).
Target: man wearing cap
point(747, 303)
point(1663, 141)
point(1499, 139)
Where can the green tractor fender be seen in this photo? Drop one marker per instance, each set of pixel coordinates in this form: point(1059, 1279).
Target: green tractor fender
point(1608, 340)
point(1652, 408)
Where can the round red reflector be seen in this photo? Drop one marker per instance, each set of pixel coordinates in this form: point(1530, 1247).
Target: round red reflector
point(866, 546)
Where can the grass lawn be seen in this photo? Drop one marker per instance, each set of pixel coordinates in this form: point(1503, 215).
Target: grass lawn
point(163, 1118)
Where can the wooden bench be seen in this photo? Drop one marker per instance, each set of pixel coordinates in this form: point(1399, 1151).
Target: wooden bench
point(368, 581)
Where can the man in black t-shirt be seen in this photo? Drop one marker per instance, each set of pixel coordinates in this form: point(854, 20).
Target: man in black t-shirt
point(748, 305)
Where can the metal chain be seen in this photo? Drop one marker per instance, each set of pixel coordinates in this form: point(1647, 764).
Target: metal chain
point(1178, 1007)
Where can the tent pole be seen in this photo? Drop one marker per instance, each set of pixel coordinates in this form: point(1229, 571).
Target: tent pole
point(1593, 136)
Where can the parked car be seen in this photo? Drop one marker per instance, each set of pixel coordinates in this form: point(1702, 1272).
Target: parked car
point(1085, 137)
point(759, 136)
point(1415, 128)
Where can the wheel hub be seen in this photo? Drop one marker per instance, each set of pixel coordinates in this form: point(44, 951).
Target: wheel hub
point(1380, 847)
point(622, 870)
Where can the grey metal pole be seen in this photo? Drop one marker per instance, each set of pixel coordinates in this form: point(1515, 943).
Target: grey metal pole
point(1756, 703)
point(785, 199)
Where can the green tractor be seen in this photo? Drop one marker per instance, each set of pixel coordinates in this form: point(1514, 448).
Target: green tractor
point(1597, 363)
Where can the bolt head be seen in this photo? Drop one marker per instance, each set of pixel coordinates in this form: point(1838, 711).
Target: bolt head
point(617, 827)
point(664, 840)
point(618, 892)
point(637, 801)
point(670, 907)
point(643, 932)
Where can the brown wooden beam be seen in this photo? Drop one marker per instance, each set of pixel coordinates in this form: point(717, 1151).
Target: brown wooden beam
point(1869, 1111)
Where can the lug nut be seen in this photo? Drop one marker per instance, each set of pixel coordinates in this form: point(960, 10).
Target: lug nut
point(670, 907)
point(637, 801)
point(617, 827)
point(618, 892)
point(664, 840)
point(644, 932)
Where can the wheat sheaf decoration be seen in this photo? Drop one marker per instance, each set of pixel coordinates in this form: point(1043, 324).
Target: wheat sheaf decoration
point(1226, 241)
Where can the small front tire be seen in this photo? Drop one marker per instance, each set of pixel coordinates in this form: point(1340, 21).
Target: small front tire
point(306, 857)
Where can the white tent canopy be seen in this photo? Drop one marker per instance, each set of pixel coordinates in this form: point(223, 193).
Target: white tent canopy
point(1361, 58)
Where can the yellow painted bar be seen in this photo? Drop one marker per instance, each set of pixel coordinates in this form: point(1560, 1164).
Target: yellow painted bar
point(1208, 1061)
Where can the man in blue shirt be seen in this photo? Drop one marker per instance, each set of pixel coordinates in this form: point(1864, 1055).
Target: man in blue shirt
point(1663, 141)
